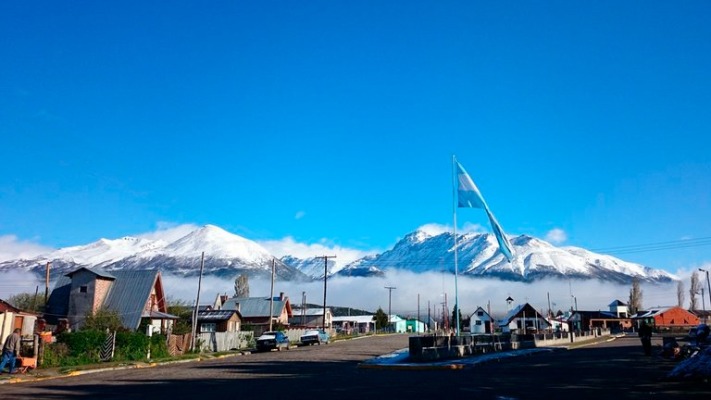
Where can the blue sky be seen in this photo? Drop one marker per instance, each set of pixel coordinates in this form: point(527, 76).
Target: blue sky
point(334, 123)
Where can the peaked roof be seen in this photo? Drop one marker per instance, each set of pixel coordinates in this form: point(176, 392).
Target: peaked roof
point(518, 310)
point(252, 307)
point(128, 294)
point(617, 303)
point(216, 315)
point(653, 312)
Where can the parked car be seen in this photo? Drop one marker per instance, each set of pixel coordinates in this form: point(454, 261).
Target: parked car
point(272, 340)
point(315, 336)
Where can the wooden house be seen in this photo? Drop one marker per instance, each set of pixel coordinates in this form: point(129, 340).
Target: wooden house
point(219, 321)
point(255, 311)
point(136, 296)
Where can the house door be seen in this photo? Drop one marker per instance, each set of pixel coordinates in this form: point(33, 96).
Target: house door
point(19, 319)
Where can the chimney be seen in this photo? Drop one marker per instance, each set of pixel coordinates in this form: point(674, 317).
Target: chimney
point(281, 296)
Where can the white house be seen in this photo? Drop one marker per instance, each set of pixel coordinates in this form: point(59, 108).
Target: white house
point(620, 309)
point(480, 322)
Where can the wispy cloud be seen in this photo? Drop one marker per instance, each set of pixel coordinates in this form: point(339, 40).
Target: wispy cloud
point(556, 236)
point(11, 248)
point(300, 214)
point(168, 231)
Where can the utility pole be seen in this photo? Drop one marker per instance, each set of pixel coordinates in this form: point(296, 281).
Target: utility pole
point(197, 302)
point(325, 278)
point(703, 302)
point(303, 308)
point(271, 297)
point(708, 283)
point(549, 304)
point(417, 323)
point(390, 303)
point(46, 285)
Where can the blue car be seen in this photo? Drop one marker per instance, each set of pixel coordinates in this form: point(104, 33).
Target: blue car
point(272, 340)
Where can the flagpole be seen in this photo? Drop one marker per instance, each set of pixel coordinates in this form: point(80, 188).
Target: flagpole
point(456, 250)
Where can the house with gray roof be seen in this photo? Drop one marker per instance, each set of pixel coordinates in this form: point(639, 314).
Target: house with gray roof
point(255, 310)
point(134, 295)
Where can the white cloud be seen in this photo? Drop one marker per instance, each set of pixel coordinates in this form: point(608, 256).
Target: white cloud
point(556, 236)
point(11, 248)
point(15, 282)
point(300, 214)
point(370, 293)
point(288, 246)
point(169, 232)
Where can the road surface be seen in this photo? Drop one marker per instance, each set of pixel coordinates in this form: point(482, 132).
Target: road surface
point(613, 370)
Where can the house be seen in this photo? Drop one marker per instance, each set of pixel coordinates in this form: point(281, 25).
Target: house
point(136, 296)
point(397, 324)
point(219, 321)
point(414, 325)
point(587, 320)
point(667, 318)
point(620, 309)
point(311, 317)
point(12, 318)
point(354, 324)
point(523, 318)
point(480, 322)
point(256, 313)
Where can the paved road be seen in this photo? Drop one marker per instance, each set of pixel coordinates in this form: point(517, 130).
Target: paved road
point(612, 370)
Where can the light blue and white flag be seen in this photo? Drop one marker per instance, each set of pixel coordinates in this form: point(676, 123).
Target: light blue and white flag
point(469, 196)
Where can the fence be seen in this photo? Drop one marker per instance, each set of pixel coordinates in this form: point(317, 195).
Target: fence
point(224, 341)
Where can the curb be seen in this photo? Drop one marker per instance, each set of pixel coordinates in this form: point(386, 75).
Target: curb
point(31, 378)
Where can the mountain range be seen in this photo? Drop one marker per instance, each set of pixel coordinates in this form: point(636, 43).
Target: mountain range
point(228, 255)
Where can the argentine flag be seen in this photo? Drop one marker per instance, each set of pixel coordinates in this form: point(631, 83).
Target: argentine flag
point(469, 196)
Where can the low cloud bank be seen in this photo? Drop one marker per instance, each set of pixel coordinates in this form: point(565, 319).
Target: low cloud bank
point(370, 293)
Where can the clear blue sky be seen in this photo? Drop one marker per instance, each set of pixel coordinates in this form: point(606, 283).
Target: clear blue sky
point(335, 122)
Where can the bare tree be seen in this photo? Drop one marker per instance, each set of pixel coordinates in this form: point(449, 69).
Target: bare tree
point(680, 294)
point(693, 291)
point(635, 300)
point(242, 286)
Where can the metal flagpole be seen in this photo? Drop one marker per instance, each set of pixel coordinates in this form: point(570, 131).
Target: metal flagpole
point(456, 266)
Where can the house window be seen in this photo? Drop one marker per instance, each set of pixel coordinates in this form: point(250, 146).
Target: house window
point(208, 327)
point(478, 322)
point(480, 313)
point(83, 289)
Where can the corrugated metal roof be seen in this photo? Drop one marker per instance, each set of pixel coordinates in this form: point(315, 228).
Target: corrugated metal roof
point(216, 315)
point(251, 307)
point(129, 293)
point(58, 302)
point(361, 319)
point(312, 312)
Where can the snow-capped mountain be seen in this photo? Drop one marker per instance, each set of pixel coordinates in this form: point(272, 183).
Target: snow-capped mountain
point(479, 255)
point(226, 254)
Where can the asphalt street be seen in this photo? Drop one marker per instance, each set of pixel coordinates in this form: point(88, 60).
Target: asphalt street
point(615, 369)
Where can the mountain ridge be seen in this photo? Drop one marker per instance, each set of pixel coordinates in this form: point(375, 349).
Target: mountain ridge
point(228, 255)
